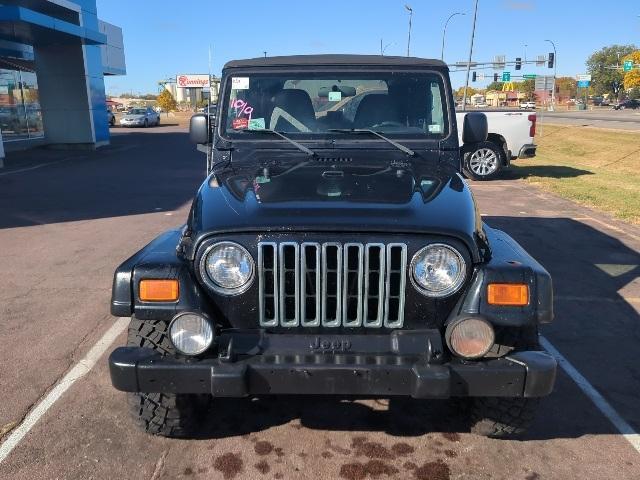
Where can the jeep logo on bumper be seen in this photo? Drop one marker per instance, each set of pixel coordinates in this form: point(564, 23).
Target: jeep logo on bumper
point(325, 345)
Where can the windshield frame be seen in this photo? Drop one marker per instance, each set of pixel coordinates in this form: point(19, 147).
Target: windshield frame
point(335, 138)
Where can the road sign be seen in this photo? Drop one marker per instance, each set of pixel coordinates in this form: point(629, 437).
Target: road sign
point(583, 77)
point(628, 65)
point(583, 83)
point(506, 76)
point(544, 82)
point(499, 61)
point(529, 75)
point(541, 60)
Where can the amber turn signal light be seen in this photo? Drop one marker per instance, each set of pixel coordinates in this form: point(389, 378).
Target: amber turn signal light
point(159, 290)
point(511, 294)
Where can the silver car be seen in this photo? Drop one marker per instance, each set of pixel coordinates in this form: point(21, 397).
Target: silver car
point(140, 117)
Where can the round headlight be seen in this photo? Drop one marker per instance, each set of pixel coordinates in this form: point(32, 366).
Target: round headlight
point(438, 270)
point(191, 333)
point(470, 337)
point(227, 268)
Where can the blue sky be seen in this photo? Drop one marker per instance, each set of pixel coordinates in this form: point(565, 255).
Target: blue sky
point(166, 37)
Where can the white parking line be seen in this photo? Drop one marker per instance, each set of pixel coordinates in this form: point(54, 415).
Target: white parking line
point(83, 367)
point(598, 400)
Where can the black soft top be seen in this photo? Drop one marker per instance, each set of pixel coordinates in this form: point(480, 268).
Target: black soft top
point(334, 60)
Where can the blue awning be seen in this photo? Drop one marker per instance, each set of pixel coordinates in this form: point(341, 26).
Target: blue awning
point(23, 25)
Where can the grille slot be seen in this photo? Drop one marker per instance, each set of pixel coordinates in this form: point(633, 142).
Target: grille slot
point(331, 284)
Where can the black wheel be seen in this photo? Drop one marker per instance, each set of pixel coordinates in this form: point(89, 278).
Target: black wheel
point(112, 121)
point(483, 161)
point(146, 123)
point(498, 417)
point(158, 122)
point(165, 414)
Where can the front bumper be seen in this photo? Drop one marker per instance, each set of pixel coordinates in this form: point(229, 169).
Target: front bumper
point(522, 374)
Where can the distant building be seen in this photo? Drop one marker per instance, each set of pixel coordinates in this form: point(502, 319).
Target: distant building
point(53, 58)
point(496, 98)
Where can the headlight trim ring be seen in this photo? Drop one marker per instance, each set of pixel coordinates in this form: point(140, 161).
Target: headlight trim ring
point(447, 292)
point(204, 274)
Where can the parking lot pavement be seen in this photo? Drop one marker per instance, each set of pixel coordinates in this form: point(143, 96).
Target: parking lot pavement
point(60, 254)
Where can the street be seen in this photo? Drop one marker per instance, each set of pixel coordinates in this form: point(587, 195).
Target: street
point(604, 117)
point(66, 222)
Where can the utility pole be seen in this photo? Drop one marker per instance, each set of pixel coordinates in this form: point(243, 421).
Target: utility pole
point(444, 32)
point(410, 10)
point(555, 69)
point(383, 49)
point(473, 34)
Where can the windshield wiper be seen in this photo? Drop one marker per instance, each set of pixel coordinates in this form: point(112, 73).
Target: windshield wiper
point(284, 137)
point(402, 148)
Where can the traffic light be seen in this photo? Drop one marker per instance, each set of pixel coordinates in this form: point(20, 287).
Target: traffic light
point(551, 59)
point(518, 63)
point(495, 77)
point(473, 77)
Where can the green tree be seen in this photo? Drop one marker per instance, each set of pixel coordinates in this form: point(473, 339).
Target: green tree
point(495, 86)
point(166, 101)
point(528, 87)
point(470, 91)
point(608, 80)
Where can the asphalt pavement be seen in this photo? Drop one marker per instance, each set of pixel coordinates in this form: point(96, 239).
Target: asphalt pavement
point(600, 117)
point(66, 222)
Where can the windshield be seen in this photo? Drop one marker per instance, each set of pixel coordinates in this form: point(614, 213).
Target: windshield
point(309, 105)
point(138, 111)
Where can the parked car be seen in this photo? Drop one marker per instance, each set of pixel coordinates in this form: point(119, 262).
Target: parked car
point(629, 103)
point(527, 105)
point(325, 260)
point(511, 136)
point(111, 118)
point(140, 117)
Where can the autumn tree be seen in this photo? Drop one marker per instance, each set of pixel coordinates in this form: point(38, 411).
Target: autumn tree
point(566, 86)
point(632, 77)
point(166, 101)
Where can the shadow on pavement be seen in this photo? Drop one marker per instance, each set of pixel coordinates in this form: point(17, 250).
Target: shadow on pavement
point(548, 171)
point(140, 172)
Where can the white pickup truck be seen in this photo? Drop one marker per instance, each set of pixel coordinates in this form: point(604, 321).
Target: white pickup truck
point(511, 135)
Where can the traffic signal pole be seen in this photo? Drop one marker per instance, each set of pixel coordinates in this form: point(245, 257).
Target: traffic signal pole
point(473, 34)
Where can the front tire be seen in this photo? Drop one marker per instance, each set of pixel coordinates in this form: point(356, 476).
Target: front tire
point(164, 414)
point(498, 417)
point(483, 161)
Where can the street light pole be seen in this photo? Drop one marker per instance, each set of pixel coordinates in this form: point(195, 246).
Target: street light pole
point(410, 10)
point(444, 31)
point(555, 69)
point(384, 49)
point(473, 34)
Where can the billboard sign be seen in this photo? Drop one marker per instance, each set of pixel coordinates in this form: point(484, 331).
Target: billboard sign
point(192, 81)
point(583, 77)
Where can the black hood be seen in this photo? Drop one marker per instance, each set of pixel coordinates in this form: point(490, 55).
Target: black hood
point(335, 194)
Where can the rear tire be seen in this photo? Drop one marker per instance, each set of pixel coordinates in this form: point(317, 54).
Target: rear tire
point(483, 161)
point(146, 123)
point(498, 417)
point(164, 414)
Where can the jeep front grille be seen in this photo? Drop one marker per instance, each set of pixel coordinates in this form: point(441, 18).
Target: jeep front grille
point(332, 284)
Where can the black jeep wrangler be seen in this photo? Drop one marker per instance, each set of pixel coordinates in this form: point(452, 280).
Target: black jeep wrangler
point(333, 249)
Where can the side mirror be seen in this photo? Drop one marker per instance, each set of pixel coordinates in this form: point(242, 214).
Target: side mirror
point(199, 128)
point(475, 128)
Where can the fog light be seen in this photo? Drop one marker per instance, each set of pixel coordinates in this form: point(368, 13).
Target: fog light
point(470, 337)
point(191, 333)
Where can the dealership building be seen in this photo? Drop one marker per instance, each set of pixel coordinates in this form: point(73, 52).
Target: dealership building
point(54, 55)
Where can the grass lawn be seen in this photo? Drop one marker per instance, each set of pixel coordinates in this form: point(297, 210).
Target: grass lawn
point(598, 168)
